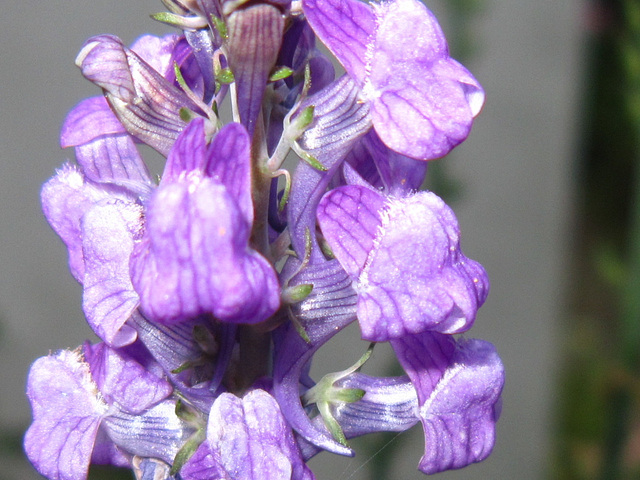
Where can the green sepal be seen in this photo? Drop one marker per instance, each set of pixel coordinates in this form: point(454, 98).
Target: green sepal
point(285, 194)
point(220, 26)
point(326, 249)
point(332, 424)
point(186, 412)
point(185, 366)
point(296, 294)
point(299, 328)
point(305, 118)
point(312, 161)
point(187, 450)
point(179, 21)
point(186, 115)
point(280, 73)
point(225, 76)
point(348, 395)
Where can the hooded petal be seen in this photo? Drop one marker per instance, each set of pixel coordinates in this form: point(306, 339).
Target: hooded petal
point(195, 257)
point(108, 233)
point(67, 412)
point(459, 391)
point(405, 258)
point(253, 440)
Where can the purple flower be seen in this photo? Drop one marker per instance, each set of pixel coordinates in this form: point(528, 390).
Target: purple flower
point(247, 439)
point(458, 387)
point(404, 257)
point(76, 402)
point(422, 101)
point(194, 256)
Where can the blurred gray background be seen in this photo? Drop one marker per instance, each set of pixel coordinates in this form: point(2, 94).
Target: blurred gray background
point(515, 207)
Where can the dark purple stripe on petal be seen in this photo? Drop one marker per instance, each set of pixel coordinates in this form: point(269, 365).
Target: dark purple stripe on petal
point(157, 433)
point(255, 36)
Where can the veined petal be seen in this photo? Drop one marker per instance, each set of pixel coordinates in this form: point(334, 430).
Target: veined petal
point(108, 232)
point(459, 394)
point(157, 432)
point(143, 100)
point(67, 411)
point(195, 257)
point(253, 440)
point(124, 381)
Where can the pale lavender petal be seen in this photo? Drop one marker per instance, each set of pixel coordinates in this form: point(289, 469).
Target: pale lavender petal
point(104, 149)
point(203, 51)
point(65, 199)
point(255, 36)
point(157, 51)
point(124, 381)
point(350, 218)
point(460, 409)
point(253, 439)
point(232, 142)
point(108, 232)
point(105, 452)
point(195, 258)
point(91, 118)
point(389, 405)
point(345, 27)
point(158, 432)
point(67, 413)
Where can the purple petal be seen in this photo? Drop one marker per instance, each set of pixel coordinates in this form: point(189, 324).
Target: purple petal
point(412, 276)
point(350, 218)
point(329, 308)
point(229, 161)
point(400, 175)
point(458, 411)
point(91, 118)
point(124, 381)
point(108, 232)
point(419, 98)
point(157, 432)
point(339, 121)
point(255, 36)
point(187, 153)
point(65, 199)
point(345, 27)
point(157, 51)
point(66, 415)
point(253, 439)
point(204, 464)
point(195, 257)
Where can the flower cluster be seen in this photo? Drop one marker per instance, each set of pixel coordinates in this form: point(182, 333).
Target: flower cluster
point(212, 289)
